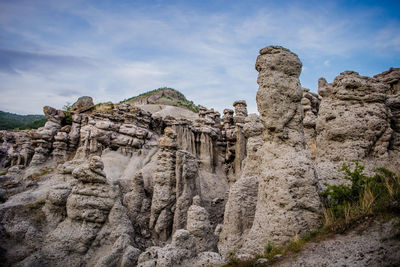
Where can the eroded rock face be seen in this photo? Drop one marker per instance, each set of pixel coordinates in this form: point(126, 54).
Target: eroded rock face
point(354, 123)
point(164, 194)
point(90, 225)
point(252, 130)
point(16, 148)
point(392, 80)
point(240, 147)
point(198, 224)
point(310, 103)
point(287, 194)
point(181, 249)
point(186, 187)
point(239, 215)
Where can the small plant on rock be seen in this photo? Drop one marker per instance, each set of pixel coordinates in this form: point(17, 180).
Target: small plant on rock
point(363, 196)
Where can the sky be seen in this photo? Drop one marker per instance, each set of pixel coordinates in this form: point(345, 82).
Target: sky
point(52, 52)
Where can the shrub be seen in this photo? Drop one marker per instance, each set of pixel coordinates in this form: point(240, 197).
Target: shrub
point(68, 116)
point(363, 196)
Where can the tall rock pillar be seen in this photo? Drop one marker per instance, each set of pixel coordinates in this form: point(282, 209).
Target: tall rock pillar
point(164, 194)
point(240, 147)
point(288, 203)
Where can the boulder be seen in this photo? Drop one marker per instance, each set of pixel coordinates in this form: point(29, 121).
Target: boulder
point(82, 104)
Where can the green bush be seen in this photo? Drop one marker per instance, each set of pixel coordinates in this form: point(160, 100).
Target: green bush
point(363, 196)
point(338, 196)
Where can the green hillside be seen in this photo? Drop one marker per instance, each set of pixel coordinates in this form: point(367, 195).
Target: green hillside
point(9, 121)
point(164, 96)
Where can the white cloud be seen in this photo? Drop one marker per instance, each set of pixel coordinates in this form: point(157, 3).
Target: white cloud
point(208, 56)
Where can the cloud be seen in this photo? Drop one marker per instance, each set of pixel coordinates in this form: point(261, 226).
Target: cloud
point(12, 61)
point(63, 50)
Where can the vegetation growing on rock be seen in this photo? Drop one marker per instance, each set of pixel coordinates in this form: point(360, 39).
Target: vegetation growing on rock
point(364, 196)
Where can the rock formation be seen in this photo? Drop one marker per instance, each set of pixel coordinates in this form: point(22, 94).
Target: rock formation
point(287, 193)
point(239, 215)
point(186, 187)
point(141, 184)
point(240, 147)
point(356, 121)
point(83, 103)
point(198, 224)
point(164, 194)
point(310, 103)
point(391, 79)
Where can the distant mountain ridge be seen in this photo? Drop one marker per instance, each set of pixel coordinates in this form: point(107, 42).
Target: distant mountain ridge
point(164, 96)
point(9, 121)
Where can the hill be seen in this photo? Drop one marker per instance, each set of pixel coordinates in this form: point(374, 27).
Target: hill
point(163, 96)
point(9, 121)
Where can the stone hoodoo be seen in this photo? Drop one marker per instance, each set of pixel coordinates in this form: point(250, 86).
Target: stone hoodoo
point(240, 147)
point(43, 138)
point(164, 194)
point(310, 103)
point(229, 140)
point(86, 218)
point(288, 203)
point(186, 188)
point(252, 129)
point(240, 111)
point(198, 224)
point(239, 215)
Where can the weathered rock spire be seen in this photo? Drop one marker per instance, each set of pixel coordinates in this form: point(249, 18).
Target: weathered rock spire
point(288, 203)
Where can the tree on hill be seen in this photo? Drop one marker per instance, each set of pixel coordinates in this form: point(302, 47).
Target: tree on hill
point(9, 121)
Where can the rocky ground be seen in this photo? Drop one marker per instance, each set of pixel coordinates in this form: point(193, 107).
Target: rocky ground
point(375, 243)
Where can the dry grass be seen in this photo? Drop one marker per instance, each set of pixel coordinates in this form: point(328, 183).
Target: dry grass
point(329, 217)
point(379, 194)
point(367, 200)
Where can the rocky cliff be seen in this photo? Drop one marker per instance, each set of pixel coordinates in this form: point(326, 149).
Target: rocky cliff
point(136, 184)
